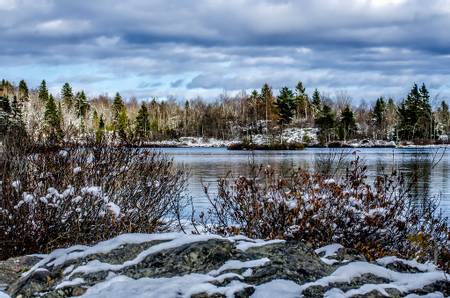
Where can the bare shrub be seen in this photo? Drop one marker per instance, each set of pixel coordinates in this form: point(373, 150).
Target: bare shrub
point(56, 198)
point(377, 218)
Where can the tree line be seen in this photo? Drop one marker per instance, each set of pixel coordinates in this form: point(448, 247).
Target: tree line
point(72, 117)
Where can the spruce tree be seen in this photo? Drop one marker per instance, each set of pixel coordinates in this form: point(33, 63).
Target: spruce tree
point(347, 125)
point(267, 102)
point(23, 91)
point(326, 122)
point(286, 105)
point(81, 105)
point(443, 114)
point(302, 102)
point(415, 115)
point(67, 96)
point(43, 92)
point(316, 102)
point(5, 116)
point(52, 121)
point(142, 127)
point(120, 118)
point(379, 117)
point(100, 133)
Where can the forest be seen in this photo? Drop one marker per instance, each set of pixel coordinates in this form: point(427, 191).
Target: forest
point(71, 117)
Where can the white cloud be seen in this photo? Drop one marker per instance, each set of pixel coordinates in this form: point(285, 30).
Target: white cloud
point(62, 27)
point(8, 4)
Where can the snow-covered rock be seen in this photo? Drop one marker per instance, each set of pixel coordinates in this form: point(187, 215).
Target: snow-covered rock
point(182, 265)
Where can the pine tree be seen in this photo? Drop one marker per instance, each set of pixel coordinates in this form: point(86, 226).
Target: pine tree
point(142, 127)
point(43, 92)
point(444, 118)
point(267, 102)
point(100, 133)
point(302, 102)
point(347, 125)
point(16, 109)
point(81, 105)
point(67, 96)
point(285, 105)
point(5, 116)
point(120, 118)
point(52, 121)
point(379, 117)
point(326, 122)
point(415, 115)
point(316, 102)
point(23, 91)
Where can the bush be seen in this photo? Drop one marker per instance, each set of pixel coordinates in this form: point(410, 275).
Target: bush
point(50, 198)
point(377, 218)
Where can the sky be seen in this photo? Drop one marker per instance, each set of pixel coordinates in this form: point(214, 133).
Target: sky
point(160, 48)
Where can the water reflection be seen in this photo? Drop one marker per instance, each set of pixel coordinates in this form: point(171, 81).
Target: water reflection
point(208, 164)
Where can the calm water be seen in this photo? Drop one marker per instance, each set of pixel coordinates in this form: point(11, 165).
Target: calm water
point(208, 164)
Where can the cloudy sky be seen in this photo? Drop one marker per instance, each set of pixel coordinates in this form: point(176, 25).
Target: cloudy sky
point(183, 48)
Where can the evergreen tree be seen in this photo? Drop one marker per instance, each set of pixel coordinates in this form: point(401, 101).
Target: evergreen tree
point(316, 101)
point(391, 118)
point(415, 115)
point(95, 120)
point(347, 125)
point(23, 91)
point(326, 122)
point(52, 121)
point(6, 88)
point(81, 105)
point(302, 102)
point(267, 102)
point(43, 92)
point(67, 95)
point(142, 127)
point(5, 116)
point(16, 109)
point(444, 118)
point(120, 118)
point(100, 133)
point(379, 117)
point(285, 105)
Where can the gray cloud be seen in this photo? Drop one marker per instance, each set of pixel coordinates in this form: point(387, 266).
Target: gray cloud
point(203, 47)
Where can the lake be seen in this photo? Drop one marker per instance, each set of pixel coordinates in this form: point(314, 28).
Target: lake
point(208, 164)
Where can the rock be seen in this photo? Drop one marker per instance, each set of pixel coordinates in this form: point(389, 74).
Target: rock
point(200, 266)
point(11, 269)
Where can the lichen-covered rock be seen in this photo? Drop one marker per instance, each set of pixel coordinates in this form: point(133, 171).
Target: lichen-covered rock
point(179, 265)
point(11, 269)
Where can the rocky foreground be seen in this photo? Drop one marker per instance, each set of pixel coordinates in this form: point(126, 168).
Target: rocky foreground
point(179, 265)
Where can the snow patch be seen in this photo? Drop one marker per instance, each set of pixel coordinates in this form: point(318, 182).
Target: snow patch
point(277, 288)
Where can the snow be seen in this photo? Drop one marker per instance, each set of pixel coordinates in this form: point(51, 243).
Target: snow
point(92, 190)
point(277, 288)
point(117, 285)
point(76, 170)
point(431, 295)
point(4, 295)
point(244, 245)
point(412, 263)
point(60, 256)
point(16, 184)
point(403, 282)
point(236, 264)
point(182, 239)
point(114, 209)
point(194, 142)
point(178, 286)
point(290, 136)
point(329, 251)
point(69, 283)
